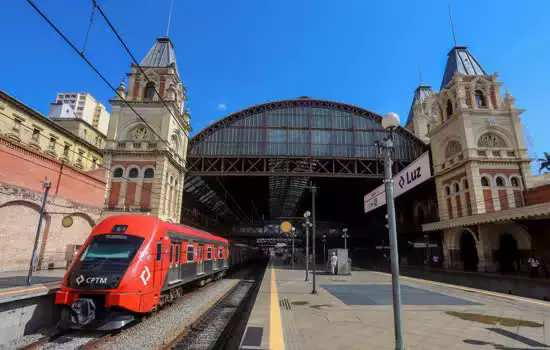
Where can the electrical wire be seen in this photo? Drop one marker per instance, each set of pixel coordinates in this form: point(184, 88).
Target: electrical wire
point(93, 67)
point(136, 63)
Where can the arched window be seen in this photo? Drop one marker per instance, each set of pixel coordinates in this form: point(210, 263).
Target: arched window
point(484, 181)
point(449, 108)
point(134, 173)
point(447, 190)
point(118, 172)
point(480, 99)
point(453, 147)
point(149, 91)
point(465, 184)
point(456, 187)
point(514, 181)
point(500, 181)
point(149, 173)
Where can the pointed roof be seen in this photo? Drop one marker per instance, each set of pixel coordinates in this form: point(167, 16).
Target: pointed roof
point(162, 54)
point(420, 94)
point(462, 61)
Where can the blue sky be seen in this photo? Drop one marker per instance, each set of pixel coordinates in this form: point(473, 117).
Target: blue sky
point(234, 54)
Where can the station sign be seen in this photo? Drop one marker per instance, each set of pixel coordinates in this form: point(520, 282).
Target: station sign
point(413, 175)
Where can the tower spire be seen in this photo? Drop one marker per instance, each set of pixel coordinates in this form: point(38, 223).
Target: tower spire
point(169, 17)
point(452, 25)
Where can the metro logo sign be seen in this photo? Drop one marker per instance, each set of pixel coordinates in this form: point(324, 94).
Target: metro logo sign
point(413, 175)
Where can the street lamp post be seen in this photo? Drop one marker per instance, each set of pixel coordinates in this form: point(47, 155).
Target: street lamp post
point(292, 232)
point(345, 236)
point(313, 235)
point(324, 250)
point(46, 184)
point(307, 214)
point(389, 123)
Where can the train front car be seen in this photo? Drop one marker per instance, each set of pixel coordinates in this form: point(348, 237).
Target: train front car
point(111, 279)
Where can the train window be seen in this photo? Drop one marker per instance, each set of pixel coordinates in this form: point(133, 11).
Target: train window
point(178, 247)
point(190, 252)
point(220, 252)
point(172, 252)
point(120, 248)
point(159, 250)
point(209, 253)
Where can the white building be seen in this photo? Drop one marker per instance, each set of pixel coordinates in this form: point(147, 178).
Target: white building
point(80, 105)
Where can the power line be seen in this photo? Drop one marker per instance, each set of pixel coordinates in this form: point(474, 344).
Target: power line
point(135, 61)
point(94, 68)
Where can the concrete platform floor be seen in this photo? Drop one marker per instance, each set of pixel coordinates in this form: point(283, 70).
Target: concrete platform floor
point(13, 285)
point(355, 312)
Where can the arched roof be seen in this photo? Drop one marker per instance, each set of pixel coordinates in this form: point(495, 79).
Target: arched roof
point(301, 127)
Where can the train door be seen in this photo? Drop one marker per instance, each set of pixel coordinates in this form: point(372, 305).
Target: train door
point(173, 271)
point(209, 261)
point(157, 273)
point(200, 260)
point(225, 256)
point(217, 257)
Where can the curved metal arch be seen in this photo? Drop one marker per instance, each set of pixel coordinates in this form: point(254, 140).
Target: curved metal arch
point(301, 102)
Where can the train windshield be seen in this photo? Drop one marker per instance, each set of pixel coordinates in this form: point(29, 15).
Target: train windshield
point(112, 247)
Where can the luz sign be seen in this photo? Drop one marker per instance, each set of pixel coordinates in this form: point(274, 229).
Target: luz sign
point(413, 175)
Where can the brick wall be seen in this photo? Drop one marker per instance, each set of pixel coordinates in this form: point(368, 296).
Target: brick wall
point(538, 195)
point(23, 167)
point(73, 193)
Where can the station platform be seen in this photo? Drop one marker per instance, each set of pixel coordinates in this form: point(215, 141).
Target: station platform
point(355, 312)
point(13, 285)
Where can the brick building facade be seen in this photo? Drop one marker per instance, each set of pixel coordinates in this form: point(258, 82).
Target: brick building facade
point(481, 170)
point(32, 149)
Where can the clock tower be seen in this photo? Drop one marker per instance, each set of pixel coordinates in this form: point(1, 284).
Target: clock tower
point(147, 138)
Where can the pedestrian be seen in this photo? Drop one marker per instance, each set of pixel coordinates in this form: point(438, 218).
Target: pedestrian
point(533, 266)
point(333, 263)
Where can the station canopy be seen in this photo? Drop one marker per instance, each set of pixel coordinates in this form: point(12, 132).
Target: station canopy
point(255, 164)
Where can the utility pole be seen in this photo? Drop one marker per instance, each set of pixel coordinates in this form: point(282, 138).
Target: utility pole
point(390, 122)
point(46, 184)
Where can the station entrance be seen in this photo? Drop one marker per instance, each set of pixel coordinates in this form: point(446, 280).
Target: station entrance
point(252, 169)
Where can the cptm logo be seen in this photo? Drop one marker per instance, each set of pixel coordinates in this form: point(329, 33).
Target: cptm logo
point(90, 280)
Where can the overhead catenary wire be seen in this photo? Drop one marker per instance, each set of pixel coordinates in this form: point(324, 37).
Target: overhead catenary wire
point(136, 63)
point(94, 68)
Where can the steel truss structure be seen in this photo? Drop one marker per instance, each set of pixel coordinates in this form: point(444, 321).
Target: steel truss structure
point(293, 141)
point(310, 167)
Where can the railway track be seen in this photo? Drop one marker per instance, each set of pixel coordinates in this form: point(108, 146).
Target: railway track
point(68, 340)
point(220, 326)
point(209, 330)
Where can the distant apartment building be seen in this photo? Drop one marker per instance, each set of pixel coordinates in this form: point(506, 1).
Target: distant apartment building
point(80, 105)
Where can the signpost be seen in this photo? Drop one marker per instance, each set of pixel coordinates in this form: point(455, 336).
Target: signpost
point(286, 227)
point(413, 175)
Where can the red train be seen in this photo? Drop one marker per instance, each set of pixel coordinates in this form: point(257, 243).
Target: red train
point(132, 264)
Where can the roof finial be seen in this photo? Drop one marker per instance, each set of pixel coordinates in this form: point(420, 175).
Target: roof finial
point(452, 25)
point(169, 17)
